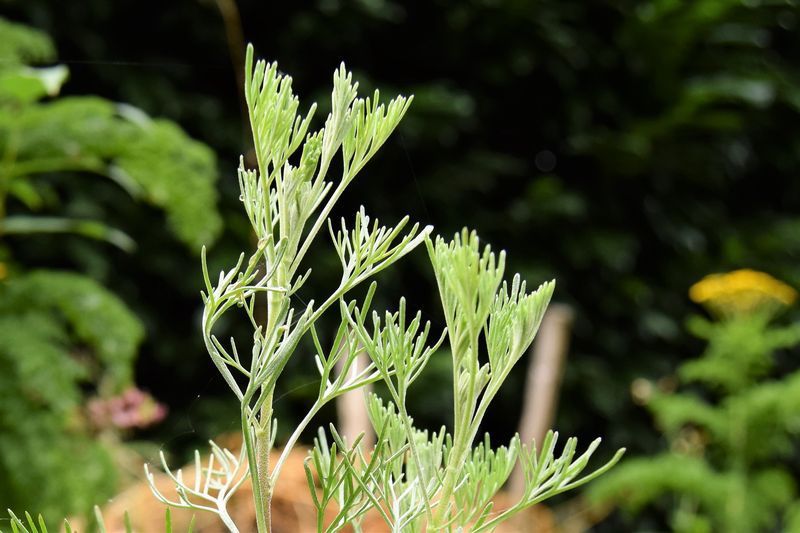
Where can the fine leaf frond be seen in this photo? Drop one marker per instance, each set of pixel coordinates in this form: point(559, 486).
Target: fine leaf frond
point(213, 485)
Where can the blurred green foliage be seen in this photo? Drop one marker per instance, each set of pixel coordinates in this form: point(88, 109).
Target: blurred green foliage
point(64, 335)
point(153, 160)
point(623, 147)
point(60, 330)
point(730, 432)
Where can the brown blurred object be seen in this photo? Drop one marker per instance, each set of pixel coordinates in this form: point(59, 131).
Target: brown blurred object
point(351, 407)
point(536, 519)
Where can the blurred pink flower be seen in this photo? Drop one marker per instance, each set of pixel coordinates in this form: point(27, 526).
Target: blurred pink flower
point(133, 408)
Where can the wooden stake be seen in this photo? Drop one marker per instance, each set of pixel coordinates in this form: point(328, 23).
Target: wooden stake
point(351, 408)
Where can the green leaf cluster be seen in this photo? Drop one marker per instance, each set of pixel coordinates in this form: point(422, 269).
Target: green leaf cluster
point(62, 332)
point(153, 160)
point(65, 336)
point(730, 441)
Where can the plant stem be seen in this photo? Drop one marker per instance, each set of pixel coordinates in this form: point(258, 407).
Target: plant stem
point(263, 436)
point(463, 433)
point(457, 456)
point(263, 449)
point(262, 523)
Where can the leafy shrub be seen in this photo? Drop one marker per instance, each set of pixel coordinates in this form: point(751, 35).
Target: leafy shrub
point(64, 336)
point(729, 440)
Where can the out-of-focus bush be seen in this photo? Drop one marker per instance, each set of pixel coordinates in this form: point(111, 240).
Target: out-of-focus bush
point(65, 337)
point(731, 427)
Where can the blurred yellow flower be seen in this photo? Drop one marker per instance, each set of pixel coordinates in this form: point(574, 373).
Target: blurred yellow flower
point(3, 270)
point(742, 292)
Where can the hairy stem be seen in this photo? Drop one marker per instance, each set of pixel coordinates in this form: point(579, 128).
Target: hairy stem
point(262, 518)
point(462, 433)
point(263, 437)
point(263, 449)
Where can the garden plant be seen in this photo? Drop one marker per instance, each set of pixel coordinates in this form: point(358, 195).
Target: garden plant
point(69, 344)
point(733, 425)
point(416, 480)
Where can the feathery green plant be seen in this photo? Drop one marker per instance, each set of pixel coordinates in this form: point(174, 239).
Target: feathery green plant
point(412, 478)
